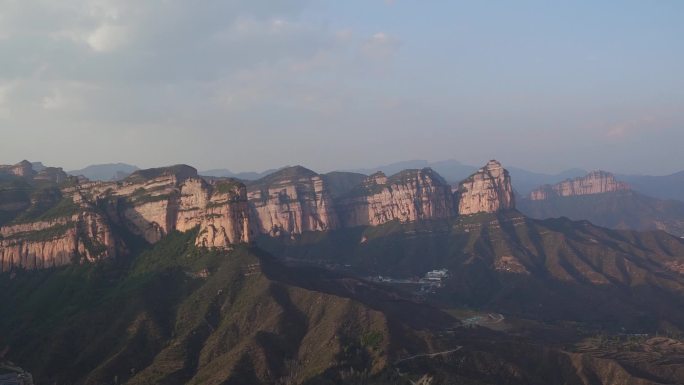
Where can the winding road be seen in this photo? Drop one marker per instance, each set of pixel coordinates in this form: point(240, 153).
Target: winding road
point(429, 355)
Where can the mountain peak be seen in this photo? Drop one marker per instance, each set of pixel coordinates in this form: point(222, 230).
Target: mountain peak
point(285, 174)
point(486, 191)
point(180, 171)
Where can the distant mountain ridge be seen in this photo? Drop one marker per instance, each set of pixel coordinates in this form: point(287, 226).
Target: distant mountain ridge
point(663, 187)
point(225, 173)
point(454, 172)
point(524, 181)
point(604, 200)
point(105, 172)
point(451, 170)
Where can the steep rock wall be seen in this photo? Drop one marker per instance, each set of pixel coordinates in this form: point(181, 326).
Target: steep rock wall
point(291, 201)
point(486, 191)
point(410, 195)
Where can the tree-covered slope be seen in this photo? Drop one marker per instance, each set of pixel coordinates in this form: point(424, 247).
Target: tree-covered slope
point(176, 314)
point(621, 210)
point(547, 270)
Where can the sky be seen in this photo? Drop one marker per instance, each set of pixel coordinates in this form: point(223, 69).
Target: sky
point(255, 84)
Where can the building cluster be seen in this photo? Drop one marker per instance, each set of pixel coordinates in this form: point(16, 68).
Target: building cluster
point(437, 275)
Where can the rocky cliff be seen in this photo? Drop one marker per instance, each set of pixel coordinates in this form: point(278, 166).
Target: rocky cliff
point(22, 169)
point(61, 224)
point(37, 172)
point(57, 242)
point(486, 191)
point(291, 201)
point(152, 203)
point(48, 222)
point(407, 196)
point(596, 182)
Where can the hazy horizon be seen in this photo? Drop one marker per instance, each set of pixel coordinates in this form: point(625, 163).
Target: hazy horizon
point(367, 168)
point(254, 85)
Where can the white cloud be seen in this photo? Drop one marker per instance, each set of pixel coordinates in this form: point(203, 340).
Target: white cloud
point(98, 65)
point(107, 38)
point(381, 46)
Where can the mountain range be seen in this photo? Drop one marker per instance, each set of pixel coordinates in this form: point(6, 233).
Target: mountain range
point(168, 277)
point(524, 181)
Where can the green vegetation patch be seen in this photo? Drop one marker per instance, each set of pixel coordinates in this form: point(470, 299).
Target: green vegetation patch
point(284, 174)
point(42, 235)
point(179, 170)
point(366, 190)
point(45, 210)
point(372, 340)
point(229, 186)
point(144, 199)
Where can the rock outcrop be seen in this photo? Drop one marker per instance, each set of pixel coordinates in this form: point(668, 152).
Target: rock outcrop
point(52, 175)
point(408, 196)
point(54, 223)
point(61, 226)
point(22, 169)
point(219, 209)
point(291, 201)
point(487, 191)
point(152, 203)
point(596, 182)
point(57, 242)
point(29, 171)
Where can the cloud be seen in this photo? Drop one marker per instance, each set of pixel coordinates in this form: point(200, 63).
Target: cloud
point(381, 46)
point(102, 68)
point(107, 38)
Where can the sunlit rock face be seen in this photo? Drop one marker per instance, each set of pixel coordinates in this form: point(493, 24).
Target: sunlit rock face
point(57, 242)
point(78, 219)
point(596, 182)
point(408, 196)
point(291, 201)
point(180, 200)
point(486, 191)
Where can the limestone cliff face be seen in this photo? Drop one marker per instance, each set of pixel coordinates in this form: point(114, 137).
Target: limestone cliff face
point(220, 209)
point(487, 191)
point(55, 226)
point(291, 201)
point(410, 195)
point(596, 182)
point(76, 223)
point(57, 242)
point(178, 199)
